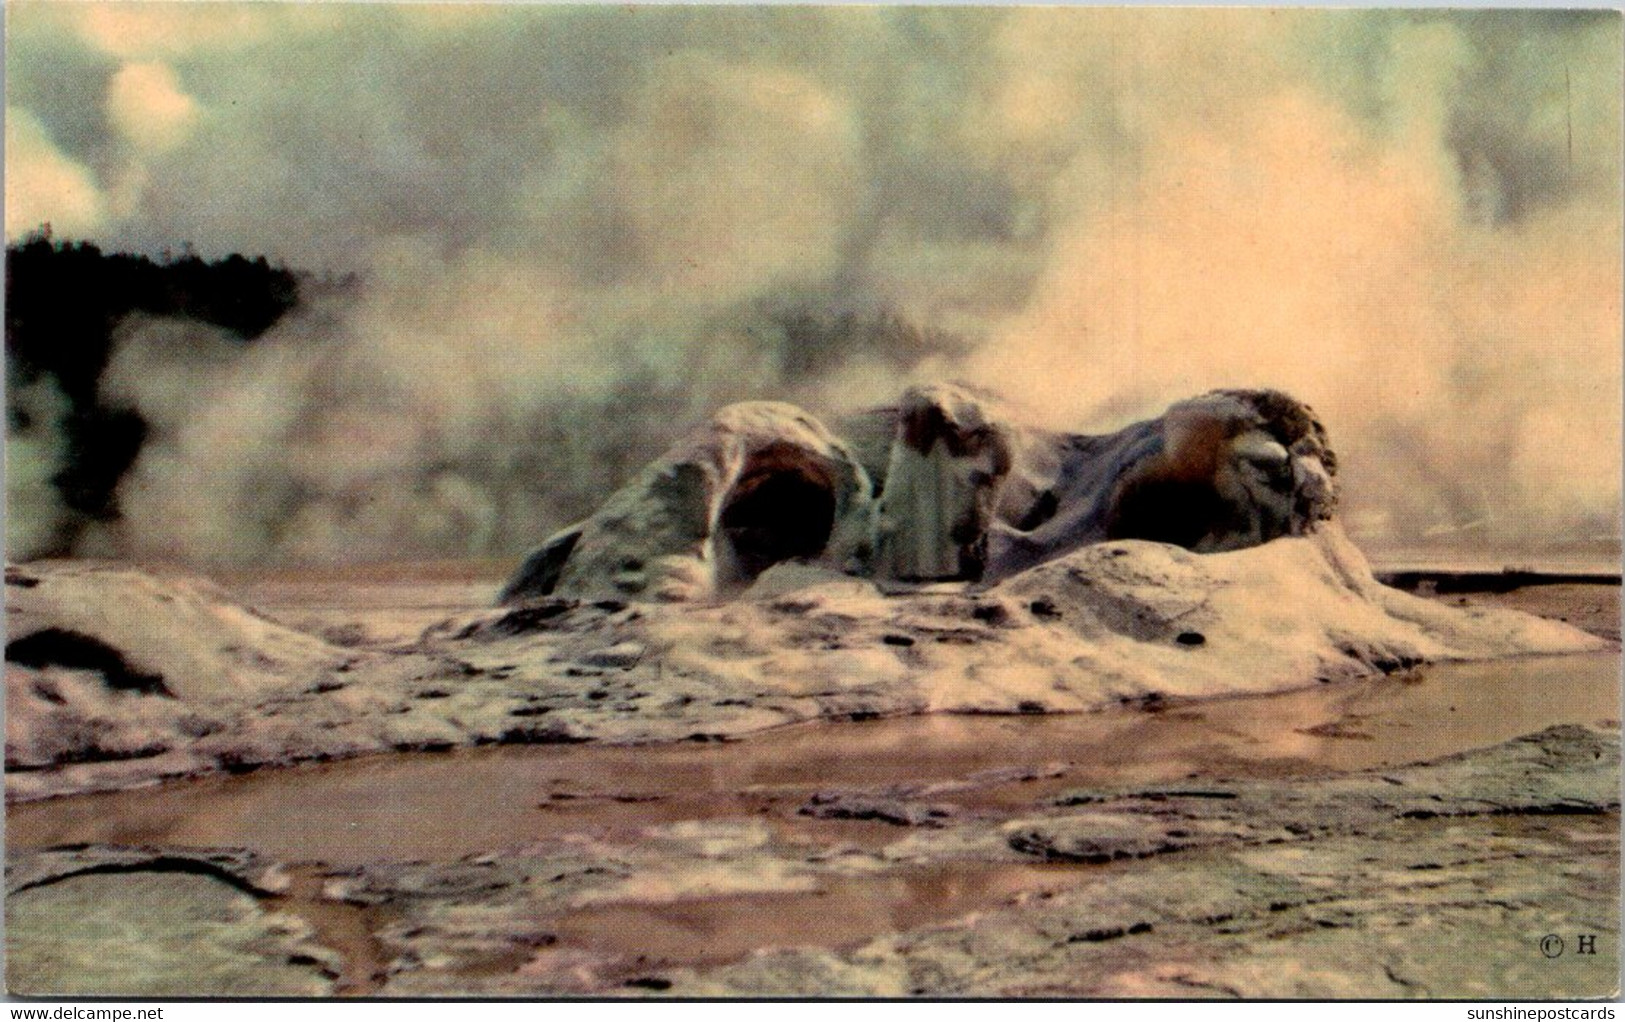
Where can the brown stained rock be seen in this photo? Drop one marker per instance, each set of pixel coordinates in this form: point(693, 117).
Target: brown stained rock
point(965, 491)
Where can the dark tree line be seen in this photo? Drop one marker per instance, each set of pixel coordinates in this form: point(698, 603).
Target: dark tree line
point(64, 300)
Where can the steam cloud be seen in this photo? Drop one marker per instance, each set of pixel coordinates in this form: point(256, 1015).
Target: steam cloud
point(577, 230)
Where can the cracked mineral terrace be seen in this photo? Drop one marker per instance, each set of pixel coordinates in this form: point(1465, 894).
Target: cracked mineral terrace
point(1161, 845)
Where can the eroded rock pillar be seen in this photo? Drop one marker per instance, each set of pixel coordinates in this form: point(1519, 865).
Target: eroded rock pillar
point(947, 464)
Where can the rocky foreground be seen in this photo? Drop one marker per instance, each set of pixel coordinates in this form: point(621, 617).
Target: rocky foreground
point(1432, 881)
point(1043, 877)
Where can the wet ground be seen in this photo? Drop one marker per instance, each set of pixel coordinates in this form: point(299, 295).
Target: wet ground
point(856, 830)
point(462, 802)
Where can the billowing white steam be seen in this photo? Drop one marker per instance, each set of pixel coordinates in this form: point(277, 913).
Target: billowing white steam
point(576, 231)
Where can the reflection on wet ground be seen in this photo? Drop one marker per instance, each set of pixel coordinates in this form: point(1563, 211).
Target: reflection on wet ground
point(598, 947)
point(343, 928)
point(842, 912)
point(445, 806)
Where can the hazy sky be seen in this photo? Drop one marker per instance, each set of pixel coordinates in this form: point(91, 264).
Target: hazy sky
point(577, 226)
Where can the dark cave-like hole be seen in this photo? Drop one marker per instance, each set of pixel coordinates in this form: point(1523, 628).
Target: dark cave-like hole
point(782, 508)
point(62, 647)
point(1177, 511)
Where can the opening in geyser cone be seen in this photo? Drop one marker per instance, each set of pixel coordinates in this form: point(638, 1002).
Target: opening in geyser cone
point(964, 492)
point(782, 508)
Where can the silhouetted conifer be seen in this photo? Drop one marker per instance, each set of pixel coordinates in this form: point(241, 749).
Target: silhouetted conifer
point(63, 301)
